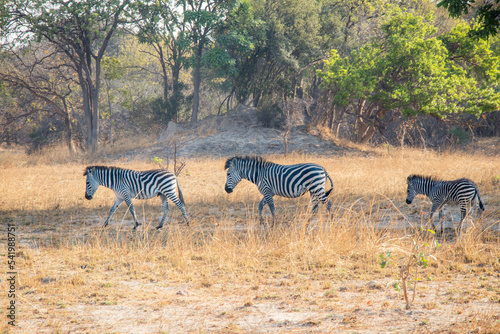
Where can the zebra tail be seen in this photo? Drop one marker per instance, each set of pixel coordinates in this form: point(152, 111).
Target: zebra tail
point(481, 206)
point(181, 198)
point(331, 182)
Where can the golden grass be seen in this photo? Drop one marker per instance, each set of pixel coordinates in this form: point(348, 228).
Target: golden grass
point(67, 262)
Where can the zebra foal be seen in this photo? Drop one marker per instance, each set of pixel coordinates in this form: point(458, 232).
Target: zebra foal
point(128, 184)
point(282, 180)
point(462, 191)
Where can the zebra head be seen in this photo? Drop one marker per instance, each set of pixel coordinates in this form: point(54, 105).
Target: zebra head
point(411, 192)
point(233, 175)
point(92, 183)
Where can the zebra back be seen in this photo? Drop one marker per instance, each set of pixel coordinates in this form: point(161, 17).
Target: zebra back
point(442, 191)
point(283, 180)
point(139, 184)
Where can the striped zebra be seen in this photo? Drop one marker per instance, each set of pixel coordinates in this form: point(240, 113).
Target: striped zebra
point(129, 184)
point(461, 191)
point(272, 179)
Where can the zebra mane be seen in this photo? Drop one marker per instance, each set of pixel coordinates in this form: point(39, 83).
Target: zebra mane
point(422, 177)
point(256, 159)
point(101, 168)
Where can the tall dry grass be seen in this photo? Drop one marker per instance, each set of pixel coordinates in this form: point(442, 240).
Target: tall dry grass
point(60, 236)
point(368, 213)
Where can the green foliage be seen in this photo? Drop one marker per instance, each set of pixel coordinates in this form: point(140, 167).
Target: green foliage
point(412, 71)
point(157, 161)
point(487, 14)
point(112, 68)
point(461, 134)
point(148, 113)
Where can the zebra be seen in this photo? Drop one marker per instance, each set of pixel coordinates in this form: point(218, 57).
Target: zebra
point(128, 184)
point(462, 191)
point(282, 180)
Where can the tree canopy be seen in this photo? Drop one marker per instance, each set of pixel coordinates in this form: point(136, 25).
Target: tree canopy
point(412, 71)
point(485, 13)
point(354, 66)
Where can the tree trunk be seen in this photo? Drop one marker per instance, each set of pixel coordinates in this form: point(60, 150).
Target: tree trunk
point(365, 132)
point(95, 119)
point(69, 133)
point(365, 128)
point(163, 71)
point(176, 93)
point(110, 113)
point(87, 110)
point(338, 120)
point(196, 85)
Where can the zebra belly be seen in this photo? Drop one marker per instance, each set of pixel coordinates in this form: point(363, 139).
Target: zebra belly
point(297, 193)
point(143, 195)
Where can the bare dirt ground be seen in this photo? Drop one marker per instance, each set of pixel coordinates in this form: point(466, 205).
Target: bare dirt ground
point(228, 274)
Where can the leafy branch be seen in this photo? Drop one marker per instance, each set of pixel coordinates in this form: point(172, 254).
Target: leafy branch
point(408, 266)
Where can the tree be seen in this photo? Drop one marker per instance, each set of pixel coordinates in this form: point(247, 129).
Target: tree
point(40, 77)
point(79, 29)
point(233, 55)
point(286, 44)
point(486, 13)
point(164, 28)
point(409, 71)
point(202, 17)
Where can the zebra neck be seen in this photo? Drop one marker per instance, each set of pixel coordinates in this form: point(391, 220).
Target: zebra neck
point(251, 174)
point(425, 188)
point(104, 178)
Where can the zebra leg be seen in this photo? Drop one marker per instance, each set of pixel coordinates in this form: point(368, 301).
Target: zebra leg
point(315, 205)
point(324, 199)
point(132, 211)
point(329, 206)
point(270, 202)
point(115, 206)
point(441, 219)
point(431, 216)
point(463, 214)
point(261, 206)
point(164, 201)
point(180, 205)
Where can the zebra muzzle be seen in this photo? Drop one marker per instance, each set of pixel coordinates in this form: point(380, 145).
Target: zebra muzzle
point(408, 201)
point(228, 190)
point(88, 197)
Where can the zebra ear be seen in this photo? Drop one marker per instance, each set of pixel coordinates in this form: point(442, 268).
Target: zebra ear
point(228, 163)
point(88, 170)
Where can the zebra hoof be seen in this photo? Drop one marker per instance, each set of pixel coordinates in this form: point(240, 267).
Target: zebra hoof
point(159, 227)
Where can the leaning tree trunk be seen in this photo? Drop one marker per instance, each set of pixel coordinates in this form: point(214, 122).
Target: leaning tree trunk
point(365, 128)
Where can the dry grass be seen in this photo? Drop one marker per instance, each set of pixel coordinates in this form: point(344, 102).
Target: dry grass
point(228, 274)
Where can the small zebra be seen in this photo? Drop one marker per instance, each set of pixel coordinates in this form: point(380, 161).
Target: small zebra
point(272, 179)
point(129, 184)
point(461, 191)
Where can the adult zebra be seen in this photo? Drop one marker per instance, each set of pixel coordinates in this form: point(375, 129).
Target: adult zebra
point(462, 191)
point(282, 180)
point(128, 184)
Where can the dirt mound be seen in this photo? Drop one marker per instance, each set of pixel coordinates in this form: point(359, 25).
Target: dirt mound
point(237, 132)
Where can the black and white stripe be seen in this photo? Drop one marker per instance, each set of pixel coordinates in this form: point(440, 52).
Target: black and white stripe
point(272, 179)
point(461, 191)
point(129, 184)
